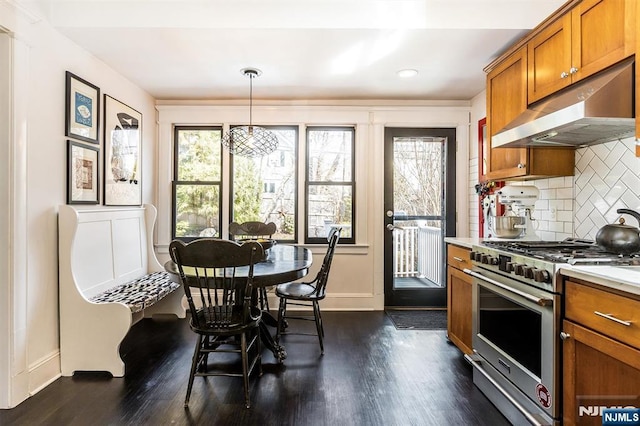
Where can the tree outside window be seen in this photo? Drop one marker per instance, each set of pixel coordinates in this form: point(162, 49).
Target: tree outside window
point(197, 182)
point(330, 183)
point(265, 188)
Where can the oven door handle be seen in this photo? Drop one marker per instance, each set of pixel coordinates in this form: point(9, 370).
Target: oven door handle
point(541, 301)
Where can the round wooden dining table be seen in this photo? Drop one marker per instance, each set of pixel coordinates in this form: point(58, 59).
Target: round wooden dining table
point(283, 263)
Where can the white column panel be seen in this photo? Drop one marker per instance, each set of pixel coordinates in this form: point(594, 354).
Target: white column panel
point(18, 200)
point(5, 225)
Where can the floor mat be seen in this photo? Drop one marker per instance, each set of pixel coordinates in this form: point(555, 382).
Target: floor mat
point(418, 319)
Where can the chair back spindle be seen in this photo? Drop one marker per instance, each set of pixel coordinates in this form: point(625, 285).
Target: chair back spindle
point(208, 270)
point(323, 275)
point(251, 230)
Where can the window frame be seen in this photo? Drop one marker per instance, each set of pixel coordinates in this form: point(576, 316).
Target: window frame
point(296, 173)
point(175, 182)
point(352, 183)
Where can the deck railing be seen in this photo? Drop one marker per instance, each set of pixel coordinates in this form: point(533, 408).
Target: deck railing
point(419, 252)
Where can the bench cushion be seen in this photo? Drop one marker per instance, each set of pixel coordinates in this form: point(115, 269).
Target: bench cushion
point(140, 293)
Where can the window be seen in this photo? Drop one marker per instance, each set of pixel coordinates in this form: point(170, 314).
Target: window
point(270, 187)
point(330, 183)
point(265, 188)
point(197, 182)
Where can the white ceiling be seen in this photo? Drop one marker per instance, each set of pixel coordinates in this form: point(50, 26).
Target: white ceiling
point(306, 49)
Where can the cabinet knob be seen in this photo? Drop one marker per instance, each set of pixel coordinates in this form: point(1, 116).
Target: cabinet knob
point(521, 165)
point(564, 336)
point(573, 70)
point(564, 74)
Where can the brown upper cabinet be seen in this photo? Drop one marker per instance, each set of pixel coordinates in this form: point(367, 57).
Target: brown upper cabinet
point(594, 35)
point(506, 99)
point(579, 40)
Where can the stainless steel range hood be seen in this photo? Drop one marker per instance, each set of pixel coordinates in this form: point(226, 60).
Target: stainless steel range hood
point(597, 110)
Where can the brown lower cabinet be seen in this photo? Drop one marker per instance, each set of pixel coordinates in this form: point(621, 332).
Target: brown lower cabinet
point(459, 298)
point(601, 357)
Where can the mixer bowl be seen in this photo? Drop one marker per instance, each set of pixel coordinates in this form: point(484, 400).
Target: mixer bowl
point(505, 226)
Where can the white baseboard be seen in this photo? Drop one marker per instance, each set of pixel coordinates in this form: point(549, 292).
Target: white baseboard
point(44, 372)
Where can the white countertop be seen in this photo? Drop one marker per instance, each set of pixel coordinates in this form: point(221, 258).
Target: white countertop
point(463, 242)
point(616, 277)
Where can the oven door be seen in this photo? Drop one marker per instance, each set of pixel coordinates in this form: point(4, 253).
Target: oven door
point(515, 330)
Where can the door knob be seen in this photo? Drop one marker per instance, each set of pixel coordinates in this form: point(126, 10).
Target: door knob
point(391, 227)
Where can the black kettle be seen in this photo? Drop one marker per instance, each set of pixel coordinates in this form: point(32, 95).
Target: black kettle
point(620, 238)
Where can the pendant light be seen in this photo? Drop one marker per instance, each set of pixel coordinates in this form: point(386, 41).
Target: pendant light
point(250, 141)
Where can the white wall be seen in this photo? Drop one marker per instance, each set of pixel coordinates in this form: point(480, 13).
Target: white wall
point(478, 112)
point(357, 271)
point(38, 59)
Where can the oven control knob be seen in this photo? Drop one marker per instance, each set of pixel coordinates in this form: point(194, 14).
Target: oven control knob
point(493, 260)
point(528, 271)
point(509, 266)
point(541, 276)
point(519, 268)
point(474, 255)
point(485, 259)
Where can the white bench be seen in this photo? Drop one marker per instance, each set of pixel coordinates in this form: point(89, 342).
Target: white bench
point(109, 279)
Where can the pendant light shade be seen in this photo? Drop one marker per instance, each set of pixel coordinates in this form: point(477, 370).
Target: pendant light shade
point(250, 141)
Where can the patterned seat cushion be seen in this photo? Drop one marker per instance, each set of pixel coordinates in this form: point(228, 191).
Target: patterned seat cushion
point(140, 293)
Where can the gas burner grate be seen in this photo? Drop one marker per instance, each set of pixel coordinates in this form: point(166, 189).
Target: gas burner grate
point(570, 250)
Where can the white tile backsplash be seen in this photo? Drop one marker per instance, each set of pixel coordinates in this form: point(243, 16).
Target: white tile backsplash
point(607, 177)
point(474, 221)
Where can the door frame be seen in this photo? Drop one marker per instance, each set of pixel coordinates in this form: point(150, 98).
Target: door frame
point(429, 297)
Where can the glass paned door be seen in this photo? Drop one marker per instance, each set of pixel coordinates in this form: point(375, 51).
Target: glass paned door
point(417, 193)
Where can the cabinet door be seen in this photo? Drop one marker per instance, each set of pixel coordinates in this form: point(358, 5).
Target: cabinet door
point(637, 35)
point(549, 57)
point(603, 33)
point(459, 312)
point(597, 371)
point(506, 99)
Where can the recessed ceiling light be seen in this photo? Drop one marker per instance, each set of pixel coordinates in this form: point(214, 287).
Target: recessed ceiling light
point(407, 73)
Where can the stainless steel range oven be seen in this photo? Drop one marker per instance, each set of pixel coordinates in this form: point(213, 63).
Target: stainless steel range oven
point(517, 303)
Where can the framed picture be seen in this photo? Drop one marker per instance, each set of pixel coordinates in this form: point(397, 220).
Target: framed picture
point(122, 154)
point(82, 173)
point(82, 109)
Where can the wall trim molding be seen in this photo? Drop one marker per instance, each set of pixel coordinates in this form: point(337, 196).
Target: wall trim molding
point(43, 372)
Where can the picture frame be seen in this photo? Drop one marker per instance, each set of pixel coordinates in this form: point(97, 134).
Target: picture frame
point(122, 154)
point(82, 109)
point(83, 175)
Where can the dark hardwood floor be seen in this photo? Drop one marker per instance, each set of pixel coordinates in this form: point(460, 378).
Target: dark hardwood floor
point(371, 374)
